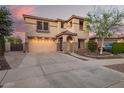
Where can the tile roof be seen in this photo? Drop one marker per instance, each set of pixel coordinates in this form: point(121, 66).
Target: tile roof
point(49, 19)
point(66, 33)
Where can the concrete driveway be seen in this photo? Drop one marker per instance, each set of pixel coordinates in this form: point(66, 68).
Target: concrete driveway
point(57, 70)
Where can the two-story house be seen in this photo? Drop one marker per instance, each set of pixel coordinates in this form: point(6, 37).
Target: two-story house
point(51, 35)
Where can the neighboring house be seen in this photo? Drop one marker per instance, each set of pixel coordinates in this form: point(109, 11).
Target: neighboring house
point(108, 40)
point(51, 35)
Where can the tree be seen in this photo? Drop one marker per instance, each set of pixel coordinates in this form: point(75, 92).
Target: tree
point(5, 27)
point(105, 23)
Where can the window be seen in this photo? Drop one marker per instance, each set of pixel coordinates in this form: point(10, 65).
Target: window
point(81, 24)
point(62, 24)
point(45, 25)
point(41, 25)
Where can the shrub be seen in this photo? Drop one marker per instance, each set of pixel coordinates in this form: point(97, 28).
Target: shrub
point(92, 45)
point(117, 48)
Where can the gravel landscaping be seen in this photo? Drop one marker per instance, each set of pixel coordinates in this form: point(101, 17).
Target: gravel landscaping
point(118, 67)
point(96, 55)
point(104, 56)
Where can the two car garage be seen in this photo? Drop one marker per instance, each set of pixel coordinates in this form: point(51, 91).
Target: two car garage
point(42, 45)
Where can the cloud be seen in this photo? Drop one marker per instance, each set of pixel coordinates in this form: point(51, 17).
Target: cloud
point(18, 11)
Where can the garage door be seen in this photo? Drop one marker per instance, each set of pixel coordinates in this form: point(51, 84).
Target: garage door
point(42, 45)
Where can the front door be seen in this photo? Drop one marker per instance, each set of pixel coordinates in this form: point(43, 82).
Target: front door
point(70, 45)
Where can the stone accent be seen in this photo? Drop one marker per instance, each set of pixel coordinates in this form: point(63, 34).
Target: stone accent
point(68, 46)
point(72, 47)
point(64, 47)
point(58, 46)
point(75, 44)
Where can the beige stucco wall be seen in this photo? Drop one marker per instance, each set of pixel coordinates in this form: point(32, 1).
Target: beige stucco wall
point(31, 25)
point(82, 34)
point(55, 28)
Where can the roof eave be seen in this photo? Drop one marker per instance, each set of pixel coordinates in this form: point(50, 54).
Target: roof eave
point(38, 18)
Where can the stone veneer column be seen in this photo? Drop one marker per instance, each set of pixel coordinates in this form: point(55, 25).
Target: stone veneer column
point(75, 47)
point(64, 44)
point(57, 44)
point(75, 44)
point(64, 47)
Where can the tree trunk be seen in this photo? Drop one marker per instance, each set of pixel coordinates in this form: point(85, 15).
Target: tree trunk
point(2, 45)
point(101, 48)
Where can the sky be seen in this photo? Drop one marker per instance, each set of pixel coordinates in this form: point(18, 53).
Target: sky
point(51, 11)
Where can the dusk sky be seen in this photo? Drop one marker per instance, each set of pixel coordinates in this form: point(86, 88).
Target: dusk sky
point(51, 11)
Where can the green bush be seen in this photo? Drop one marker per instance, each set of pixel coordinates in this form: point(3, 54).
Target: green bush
point(92, 45)
point(117, 48)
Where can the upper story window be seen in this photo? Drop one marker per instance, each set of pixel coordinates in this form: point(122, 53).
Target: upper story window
point(42, 25)
point(62, 24)
point(81, 24)
point(39, 25)
point(45, 25)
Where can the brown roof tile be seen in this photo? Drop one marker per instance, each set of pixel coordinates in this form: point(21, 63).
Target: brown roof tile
point(66, 33)
point(48, 19)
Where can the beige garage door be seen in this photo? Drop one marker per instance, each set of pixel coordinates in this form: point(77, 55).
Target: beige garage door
point(42, 45)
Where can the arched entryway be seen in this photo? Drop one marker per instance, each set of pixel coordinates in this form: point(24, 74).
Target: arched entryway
point(70, 44)
point(67, 41)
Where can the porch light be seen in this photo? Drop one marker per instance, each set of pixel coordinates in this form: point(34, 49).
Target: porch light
point(71, 41)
